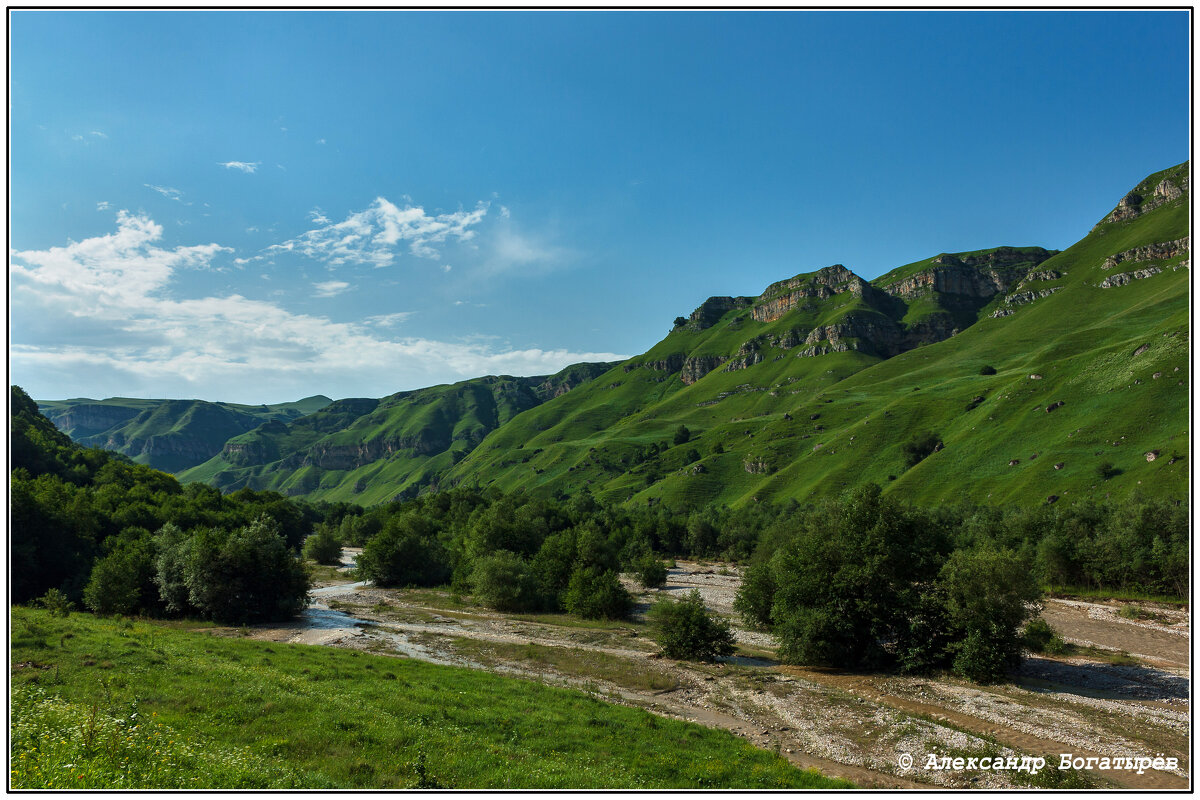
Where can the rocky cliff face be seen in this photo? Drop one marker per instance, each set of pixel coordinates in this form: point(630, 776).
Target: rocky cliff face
point(697, 367)
point(1135, 203)
point(981, 276)
point(712, 309)
point(1159, 250)
point(783, 296)
point(90, 419)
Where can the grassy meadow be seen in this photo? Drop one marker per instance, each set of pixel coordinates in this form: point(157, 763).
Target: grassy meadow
point(120, 703)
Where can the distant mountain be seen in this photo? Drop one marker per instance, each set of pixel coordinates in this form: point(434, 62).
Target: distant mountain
point(820, 382)
point(371, 451)
point(1011, 374)
point(170, 435)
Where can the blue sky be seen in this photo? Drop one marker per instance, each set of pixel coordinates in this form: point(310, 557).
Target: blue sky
point(256, 206)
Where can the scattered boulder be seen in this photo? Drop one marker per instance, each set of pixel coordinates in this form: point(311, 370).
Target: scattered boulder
point(1052, 499)
point(1153, 454)
point(1054, 405)
point(1140, 350)
point(1035, 376)
point(1014, 462)
point(1156, 375)
point(1060, 465)
point(814, 416)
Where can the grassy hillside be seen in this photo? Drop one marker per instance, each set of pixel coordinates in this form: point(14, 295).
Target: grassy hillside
point(107, 703)
point(371, 451)
point(808, 397)
point(170, 435)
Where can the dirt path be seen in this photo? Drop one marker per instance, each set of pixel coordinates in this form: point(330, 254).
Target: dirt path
point(853, 726)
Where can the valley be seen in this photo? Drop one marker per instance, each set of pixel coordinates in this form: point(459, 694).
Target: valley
point(849, 725)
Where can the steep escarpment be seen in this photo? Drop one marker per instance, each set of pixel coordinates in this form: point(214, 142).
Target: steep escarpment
point(1040, 373)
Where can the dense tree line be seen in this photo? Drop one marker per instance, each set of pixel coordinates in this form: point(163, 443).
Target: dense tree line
point(125, 538)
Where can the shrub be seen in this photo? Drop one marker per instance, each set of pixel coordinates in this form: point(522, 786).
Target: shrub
point(56, 603)
point(503, 581)
point(324, 546)
point(987, 370)
point(119, 581)
point(651, 571)
point(596, 594)
point(1106, 470)
point(1039, 637)
point(236, 577)
point(686, 630)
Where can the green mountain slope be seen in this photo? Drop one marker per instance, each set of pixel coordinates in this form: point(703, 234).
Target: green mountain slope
point(817, 384)
point(371, 451)
point(170, 435)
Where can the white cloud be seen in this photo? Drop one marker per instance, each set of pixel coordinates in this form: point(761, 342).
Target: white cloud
point(249, 167)
point(374, 235)
point(166, 191)
point(99, 317)
point(102, 205)
point(320, 141)
point(99, 134)
point(387, 320)
point(330, 288)
point(446, 267)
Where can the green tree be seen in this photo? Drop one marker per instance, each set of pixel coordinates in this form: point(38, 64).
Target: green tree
point(503, 581)
point(593, 593)
point(245, 575)
point(989, 596)
point(324, 546)
point(406, 552)
point(682, 435)
point(651, 571)
point(687, 631)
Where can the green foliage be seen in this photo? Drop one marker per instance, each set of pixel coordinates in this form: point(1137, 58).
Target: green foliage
point(987, 370)
point(682, 435)
point(324, 546)
point(990, 594)
point(504, 581)
point(651, 571)
point(593, 593)
point(920, 447)
point(849, 578)
point(237, 577)
point(687, 631)
point(756, 596)
point(1039, 637)
point(122, 582)
point(56, 603)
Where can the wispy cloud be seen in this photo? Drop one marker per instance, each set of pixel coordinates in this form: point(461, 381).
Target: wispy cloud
point(166, 191)
point(249, 167)
point(510, 250)
point(99, 134)
point(330, 288)
point(373, 236)
point(388, 320)
point(102, 205)
point(105, 315)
